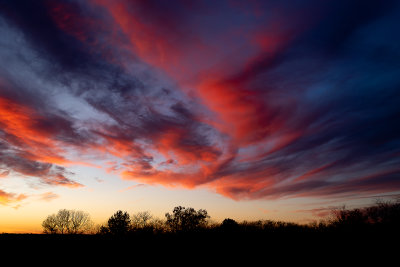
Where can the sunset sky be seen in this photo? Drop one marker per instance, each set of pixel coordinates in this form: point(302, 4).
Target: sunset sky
point(251, 110)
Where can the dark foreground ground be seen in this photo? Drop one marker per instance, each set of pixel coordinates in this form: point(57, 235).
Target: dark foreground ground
point(204, 248)
point(359, 237)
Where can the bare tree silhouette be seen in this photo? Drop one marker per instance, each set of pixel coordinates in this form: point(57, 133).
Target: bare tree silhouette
point(67, 221)
point(141, 219)
point(63, 220)
point(79, 222)
point(50, 224)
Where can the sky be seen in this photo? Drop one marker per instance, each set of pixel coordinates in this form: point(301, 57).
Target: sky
point(251, 110)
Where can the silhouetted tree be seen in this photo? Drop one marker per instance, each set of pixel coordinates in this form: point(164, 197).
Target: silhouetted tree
point(186, 219)
point(67, 221)
point(103, 230)
point(119, 223)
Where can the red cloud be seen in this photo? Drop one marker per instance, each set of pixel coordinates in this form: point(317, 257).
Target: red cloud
point(157, 38)
point(32, 149)
point(25, 128)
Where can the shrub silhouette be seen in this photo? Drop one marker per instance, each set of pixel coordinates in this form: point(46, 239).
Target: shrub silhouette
point(382, 215)
point(186, 219)
point(229, 225)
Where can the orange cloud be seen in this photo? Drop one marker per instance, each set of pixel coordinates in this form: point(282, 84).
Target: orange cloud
point(4, 173)
point(48, 196)
point(10, 198)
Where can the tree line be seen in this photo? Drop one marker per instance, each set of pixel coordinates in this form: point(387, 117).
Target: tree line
point(78, 222)
point(382, 215)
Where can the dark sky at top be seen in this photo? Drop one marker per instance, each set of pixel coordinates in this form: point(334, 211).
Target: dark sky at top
point(253, 99)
